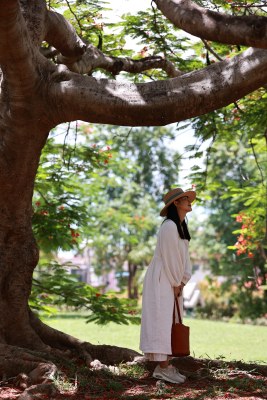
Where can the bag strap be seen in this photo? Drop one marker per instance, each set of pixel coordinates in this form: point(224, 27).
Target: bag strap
point(178, 311)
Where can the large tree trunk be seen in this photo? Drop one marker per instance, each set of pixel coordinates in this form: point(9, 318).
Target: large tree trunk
point(19, 253)
point(19, 327)
point(27, 114)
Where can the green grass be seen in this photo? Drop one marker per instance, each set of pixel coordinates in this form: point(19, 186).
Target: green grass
point(209, 339)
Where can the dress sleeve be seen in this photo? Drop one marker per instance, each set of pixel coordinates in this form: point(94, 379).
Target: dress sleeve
point(188, 268)
point(170, 248)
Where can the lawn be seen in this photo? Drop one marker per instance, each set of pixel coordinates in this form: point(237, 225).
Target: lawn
point(209, 339)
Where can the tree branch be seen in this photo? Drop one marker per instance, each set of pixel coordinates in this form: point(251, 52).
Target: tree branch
point(209, 48)
point(61, 35)
point(83, 59)
point(34, 13)
point(13, 46)
point(218, 27)
point(94, 58)
point(16, 49)
point(257, 162)
point(161, 102)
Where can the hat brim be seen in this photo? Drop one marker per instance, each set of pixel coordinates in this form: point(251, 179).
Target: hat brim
point(190, 194)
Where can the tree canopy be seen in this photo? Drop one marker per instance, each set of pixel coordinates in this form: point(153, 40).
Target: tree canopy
point(83, 96)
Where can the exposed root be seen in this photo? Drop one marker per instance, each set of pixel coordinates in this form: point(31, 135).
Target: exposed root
point(29, 370)
point(15, 360)
point(88, 352)
point(110, 355)
point(35, 371)
point(35, 391)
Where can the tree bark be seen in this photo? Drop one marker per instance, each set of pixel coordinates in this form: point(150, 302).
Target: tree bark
point(161, 102)
point(95, 58)
point(218, 27)
point(57, 27)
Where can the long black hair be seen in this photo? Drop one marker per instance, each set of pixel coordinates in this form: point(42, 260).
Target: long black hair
point(182, 228)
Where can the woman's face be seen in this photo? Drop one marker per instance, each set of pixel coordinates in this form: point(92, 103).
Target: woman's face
point(183, 204)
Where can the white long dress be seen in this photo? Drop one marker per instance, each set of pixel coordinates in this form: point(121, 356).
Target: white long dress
point(169, 267)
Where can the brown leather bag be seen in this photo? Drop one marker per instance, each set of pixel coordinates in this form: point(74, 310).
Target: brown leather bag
point(180, 335)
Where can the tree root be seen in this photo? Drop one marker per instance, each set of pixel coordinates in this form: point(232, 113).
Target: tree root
point(88, 352)
point(35, 372)
point(37, 391)
point(28, 370)
point(15, 360)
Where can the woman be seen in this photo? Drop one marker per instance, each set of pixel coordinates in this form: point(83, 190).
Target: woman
point(167, 274)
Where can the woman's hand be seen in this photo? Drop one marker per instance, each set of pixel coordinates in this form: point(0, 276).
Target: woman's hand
point(178, 290)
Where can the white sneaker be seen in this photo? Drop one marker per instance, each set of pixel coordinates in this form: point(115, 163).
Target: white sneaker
point(169, 374)
point(179, 373)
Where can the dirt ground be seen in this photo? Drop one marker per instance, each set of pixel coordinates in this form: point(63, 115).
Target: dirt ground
point(206, 379)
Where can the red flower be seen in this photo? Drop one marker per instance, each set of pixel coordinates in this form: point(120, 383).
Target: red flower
point(259, 281)
point(44, 212)
point(240, 251)
point(239, 218)
point(240, 238)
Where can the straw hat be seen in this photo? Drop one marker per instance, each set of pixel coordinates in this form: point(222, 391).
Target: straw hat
point(173, 195)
